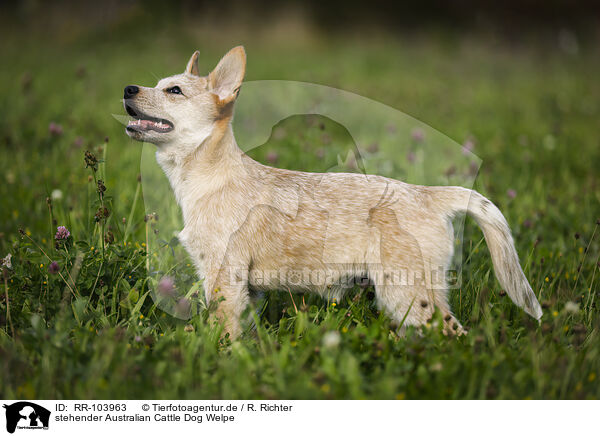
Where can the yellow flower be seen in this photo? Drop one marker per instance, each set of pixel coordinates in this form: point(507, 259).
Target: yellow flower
point(547, 279)
point(580, 250)
point(143, 244)
point(43, 240)
point(141, 316)
point(325, 388)
point(566, 328)
point(41, 265)
point(592, 377)
point(555, 314)
point(401, 396)
point(566, 275)
point(26, 391)
point(344, 329)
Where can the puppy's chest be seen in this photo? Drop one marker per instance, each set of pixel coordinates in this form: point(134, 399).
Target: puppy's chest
point(209, 225)
point(200, 238)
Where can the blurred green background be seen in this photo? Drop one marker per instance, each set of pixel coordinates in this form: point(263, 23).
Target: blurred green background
point(518, 84)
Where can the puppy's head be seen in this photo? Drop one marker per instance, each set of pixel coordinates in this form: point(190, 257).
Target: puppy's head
point(184, 109)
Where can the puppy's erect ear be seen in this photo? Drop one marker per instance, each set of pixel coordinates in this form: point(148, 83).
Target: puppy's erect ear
point(192, 66)
point(225, 80)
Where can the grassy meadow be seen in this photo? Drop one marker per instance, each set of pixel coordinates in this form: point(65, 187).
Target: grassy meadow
point(76, 319)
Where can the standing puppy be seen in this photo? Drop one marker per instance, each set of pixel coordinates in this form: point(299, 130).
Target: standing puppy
point(247, 225)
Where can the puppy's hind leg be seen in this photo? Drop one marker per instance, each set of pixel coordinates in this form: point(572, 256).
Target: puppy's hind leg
point(396, 267)
point(414, 305)
point(452, 326)
point(406, 304)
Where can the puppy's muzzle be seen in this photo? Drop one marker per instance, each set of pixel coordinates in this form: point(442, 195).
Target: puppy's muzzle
point(130, 91)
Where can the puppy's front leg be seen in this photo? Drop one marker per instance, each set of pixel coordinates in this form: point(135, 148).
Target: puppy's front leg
point(229, 290)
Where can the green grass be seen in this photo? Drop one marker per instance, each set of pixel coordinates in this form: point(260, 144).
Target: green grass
point(531, 109)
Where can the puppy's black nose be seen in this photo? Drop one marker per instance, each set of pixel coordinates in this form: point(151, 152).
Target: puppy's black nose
point(130, 91)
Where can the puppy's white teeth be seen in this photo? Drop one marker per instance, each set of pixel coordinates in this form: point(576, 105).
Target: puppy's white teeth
point(147, 125)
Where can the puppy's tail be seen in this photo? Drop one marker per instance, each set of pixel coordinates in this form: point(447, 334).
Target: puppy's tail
point(497, 234)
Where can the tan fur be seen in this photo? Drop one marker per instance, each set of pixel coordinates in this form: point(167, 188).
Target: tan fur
point(250, 225)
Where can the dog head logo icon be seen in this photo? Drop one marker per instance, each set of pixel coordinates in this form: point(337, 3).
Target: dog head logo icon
point(26, 415)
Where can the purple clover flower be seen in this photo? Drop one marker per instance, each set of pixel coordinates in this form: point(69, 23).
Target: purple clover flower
point(418, 135)
point(55, 129)
point(62, 233)
point(166, 287)
point(468, 146)
point(78, 142)
point(272, 157)
point(53, 268)
point(182, 308)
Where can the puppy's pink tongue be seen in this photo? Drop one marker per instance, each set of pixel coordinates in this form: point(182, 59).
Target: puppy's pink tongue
point(141, 124)
point(147, 124)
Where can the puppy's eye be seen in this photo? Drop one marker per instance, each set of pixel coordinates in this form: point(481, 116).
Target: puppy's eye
point(174, 90)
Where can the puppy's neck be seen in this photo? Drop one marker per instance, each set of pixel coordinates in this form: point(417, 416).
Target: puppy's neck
point(205, 170)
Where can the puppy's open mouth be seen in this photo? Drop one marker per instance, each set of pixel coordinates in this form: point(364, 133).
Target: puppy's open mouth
point(145, 123)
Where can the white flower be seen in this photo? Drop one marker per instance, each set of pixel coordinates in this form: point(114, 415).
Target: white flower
point(331, 339)
point(436, 367)
point(56, 195)
point(571, 307)
point(7, 261)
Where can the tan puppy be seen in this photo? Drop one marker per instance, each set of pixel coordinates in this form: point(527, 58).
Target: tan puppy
point(247, 225)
